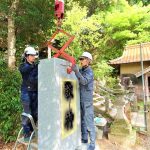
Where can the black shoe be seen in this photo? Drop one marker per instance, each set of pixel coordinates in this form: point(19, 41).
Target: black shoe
point(84, 141)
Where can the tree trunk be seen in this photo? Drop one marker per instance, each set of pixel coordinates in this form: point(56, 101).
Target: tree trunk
point(11, 34)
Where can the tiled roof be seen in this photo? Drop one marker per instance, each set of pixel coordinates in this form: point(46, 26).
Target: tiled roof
point(132, 54)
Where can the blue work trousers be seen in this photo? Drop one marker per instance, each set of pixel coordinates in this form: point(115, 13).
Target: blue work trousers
point(30, 106)
point(87, 123)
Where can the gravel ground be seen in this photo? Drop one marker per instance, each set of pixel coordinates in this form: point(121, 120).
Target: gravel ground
point(142, 143)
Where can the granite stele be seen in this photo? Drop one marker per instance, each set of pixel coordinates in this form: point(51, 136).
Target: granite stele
point(58, 107)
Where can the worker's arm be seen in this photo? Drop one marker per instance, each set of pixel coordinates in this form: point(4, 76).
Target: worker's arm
point(83, 79)
point(34, 75)
point(25, 68)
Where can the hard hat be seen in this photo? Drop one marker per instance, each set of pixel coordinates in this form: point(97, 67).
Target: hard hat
point(87, 54)
point(30, 51)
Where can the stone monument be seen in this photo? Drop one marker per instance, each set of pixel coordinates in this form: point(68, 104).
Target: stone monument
point(121, 129)
point(58, 107)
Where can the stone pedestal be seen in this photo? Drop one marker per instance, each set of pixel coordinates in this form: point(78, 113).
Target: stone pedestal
point(121, 130)
point(100, 123)
point(125, 140)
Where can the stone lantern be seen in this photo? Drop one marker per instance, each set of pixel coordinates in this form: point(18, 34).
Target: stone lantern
point(121, 129)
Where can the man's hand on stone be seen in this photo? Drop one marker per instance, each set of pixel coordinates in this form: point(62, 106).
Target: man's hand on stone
point(75, 68)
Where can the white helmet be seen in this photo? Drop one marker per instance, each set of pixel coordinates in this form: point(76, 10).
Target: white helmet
point(30, 51)
point(87, 54)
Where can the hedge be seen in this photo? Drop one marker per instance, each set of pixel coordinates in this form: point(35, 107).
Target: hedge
point(10, 106)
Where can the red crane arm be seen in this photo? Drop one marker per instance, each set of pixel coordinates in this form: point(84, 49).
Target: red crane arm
point(59, 14)
point(61, 51)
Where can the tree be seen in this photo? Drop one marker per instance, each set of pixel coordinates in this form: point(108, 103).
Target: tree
point(88, 36)
point(94, 6)
point(131, 25)
point(144, 2)
point(11, 34)
point(105, 34)
point(27, 23)
point(87, 30)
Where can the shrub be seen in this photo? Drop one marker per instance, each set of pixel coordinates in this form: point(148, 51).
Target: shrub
point(10, 108)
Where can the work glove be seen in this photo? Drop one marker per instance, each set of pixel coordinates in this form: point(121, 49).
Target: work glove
point(75, 68)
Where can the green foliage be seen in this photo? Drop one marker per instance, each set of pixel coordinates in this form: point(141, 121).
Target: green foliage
point(87, 30)
point(10, 108)
point(102, 70)
point(105, 34)
point(144, 2)
point(127, 26)
point(103, 73)
point(95, 6)
point(32, 21)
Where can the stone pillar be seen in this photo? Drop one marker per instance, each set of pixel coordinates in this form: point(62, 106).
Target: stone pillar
point(132, 97)
point(121, 130)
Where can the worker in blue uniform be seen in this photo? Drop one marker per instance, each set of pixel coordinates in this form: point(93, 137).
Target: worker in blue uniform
point(29, 95)
point(86, 78)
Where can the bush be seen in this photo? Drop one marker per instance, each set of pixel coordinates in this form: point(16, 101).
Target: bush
point(10, 107)
point(103, 72)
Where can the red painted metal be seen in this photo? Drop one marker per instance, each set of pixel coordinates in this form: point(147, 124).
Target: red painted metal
point(59, 9)
point(62, 52)
point(59, 13)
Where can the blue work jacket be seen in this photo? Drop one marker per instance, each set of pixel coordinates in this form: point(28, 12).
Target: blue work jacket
point(86, 79)
point(29, 74)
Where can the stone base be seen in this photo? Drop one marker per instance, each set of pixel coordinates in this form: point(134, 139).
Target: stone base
point(124, 139)
point(99, 133)
point(121, 127)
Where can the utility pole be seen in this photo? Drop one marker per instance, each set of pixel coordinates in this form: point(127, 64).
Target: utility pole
point(143, 87)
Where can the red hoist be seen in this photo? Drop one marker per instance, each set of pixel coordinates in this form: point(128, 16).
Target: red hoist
point(59, 14)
